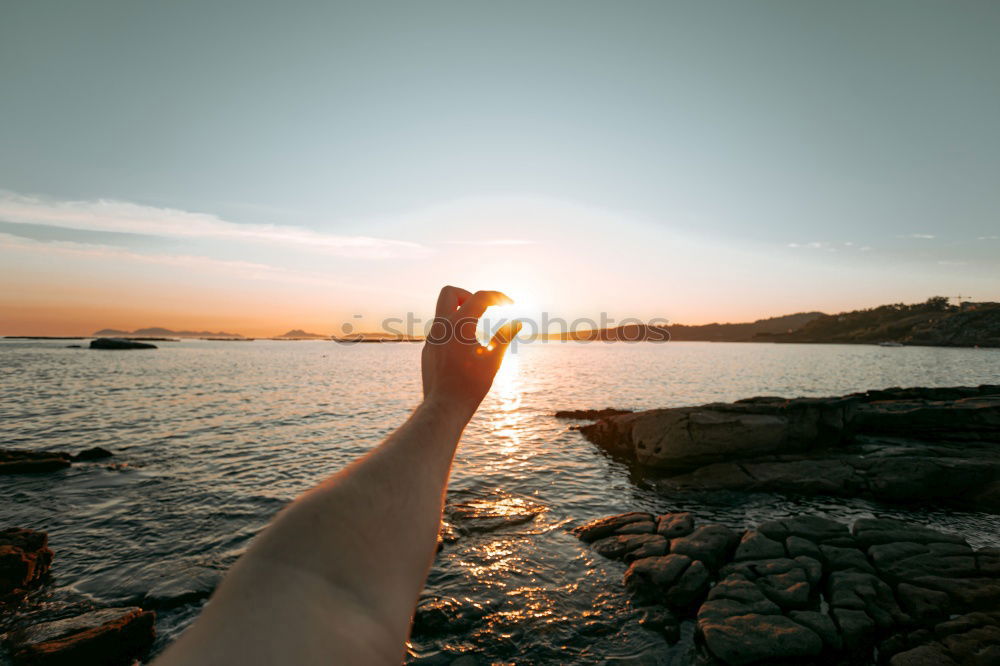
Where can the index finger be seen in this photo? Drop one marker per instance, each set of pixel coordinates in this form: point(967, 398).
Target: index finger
point(479, 301)
point(449, 299)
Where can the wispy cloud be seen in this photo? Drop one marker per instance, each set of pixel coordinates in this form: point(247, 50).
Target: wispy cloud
point(496, 242)
point(918, 236)
point(125, 217)
point(245, 270)
point(988, 238)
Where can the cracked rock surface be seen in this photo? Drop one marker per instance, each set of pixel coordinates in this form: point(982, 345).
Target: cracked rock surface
point(809, 589)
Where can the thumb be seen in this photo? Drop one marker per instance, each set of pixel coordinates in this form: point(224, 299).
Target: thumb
point(503, 337)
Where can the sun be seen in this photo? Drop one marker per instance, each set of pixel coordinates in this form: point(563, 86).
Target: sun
point(526, 308)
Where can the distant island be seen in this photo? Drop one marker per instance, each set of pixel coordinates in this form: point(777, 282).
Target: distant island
point(164, 333)
point(299, 334)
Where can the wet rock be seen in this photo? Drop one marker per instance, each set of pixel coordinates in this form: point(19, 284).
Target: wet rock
point(690, 588)
point(756, 546)
point(788, 590)
point(745, 639)
point(605, 527)
point(921, 603)
point(796, 545)
point(641, 527)
point(119, 343)
point(821, 624)
point(908, 561)
point(110, 636)
point(650, 578)
point(187, 585)
point(662, 621)
point(856, 628)
point(94, 453)
point(841, 559)
point(14, 461)
point(712, 544)
point(925, 655)
point(436, 615)
point(673, 525)
point(813, 528)
point(486, 514)
point(619, 546)
point(745, 594)
point(812, 567)
point(862, 591)
point(968, 593)
point(25, 559)
point(870, 532)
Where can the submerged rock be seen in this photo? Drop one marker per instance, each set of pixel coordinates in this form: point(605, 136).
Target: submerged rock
point(937, 445)
point(798, 588)
point(111, 636)
point(119, 343)
point(25, 559)
point(94, 453)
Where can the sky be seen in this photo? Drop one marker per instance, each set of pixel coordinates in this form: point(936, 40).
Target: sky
point(255, 167)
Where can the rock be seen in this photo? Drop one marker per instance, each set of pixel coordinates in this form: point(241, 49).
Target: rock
point(604, 527)
point(908, 561)
point(617, 547)
point(745, 639)
point(119, 343)
point(746, 594)
point(967, 593)
point(871, 532)
point(663, 621)
point(110, 636)
point(813, 569)
point(788, 590)
point(856, 628)
point(821, 624)
point(590, 414)
point(436, 615)
point(813, 528)
point(485, 514)
point(899, 445)
point(673, 525)
point(95, 453)
point(840, 559)
point(866, 592)
point(925, 655)
point(14, 461)
point(25, 559)
point(650, 578)
point(796, 545)
point(921, 603)
point(189, 584)
point(641, 527)
point(711, 544)
point(690, 588)
point(756, 546)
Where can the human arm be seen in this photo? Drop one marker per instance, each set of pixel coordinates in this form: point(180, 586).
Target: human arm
point(336, 576)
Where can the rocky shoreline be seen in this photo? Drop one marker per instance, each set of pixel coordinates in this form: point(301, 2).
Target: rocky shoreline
point(809, 590)
point(901, 445)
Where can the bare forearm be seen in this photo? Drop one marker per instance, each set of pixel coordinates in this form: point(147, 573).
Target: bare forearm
point(344, 564)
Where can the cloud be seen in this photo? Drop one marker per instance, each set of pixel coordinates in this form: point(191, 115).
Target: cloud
point(988, 238)
point(124, 217)
point(499, 241)
point(241, 269)
point(918, 236)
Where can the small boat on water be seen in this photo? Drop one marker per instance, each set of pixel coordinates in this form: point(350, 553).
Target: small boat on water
point(890, 344)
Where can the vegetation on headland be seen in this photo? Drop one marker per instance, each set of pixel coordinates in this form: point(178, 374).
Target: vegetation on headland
point(934, 323)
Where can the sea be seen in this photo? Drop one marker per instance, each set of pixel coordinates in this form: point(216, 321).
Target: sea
point(212, 438)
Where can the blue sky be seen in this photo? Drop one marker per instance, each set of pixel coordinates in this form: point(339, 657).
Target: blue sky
point(699, 160)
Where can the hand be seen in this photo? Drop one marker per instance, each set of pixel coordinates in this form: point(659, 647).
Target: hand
point(457, 370)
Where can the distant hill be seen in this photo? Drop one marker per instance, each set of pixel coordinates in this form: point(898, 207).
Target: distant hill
point(933, 323)
point(164, 332)
point(299, 334)
point(744, 332)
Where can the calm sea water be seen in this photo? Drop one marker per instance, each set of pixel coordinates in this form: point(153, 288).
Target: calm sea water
point(216, 437)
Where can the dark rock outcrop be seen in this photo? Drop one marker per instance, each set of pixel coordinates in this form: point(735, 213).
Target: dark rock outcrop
point(110, 636)
point(591, 414)
point(24, 561)
point(93, 453)
point(798, 588)
point(937, 445)
point(119, 343)
point(15, 461)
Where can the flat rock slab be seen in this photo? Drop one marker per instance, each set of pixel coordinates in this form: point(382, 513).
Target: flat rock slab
point(25, 559)
point(898, 445)
point(111, 636)
point(14, 461)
